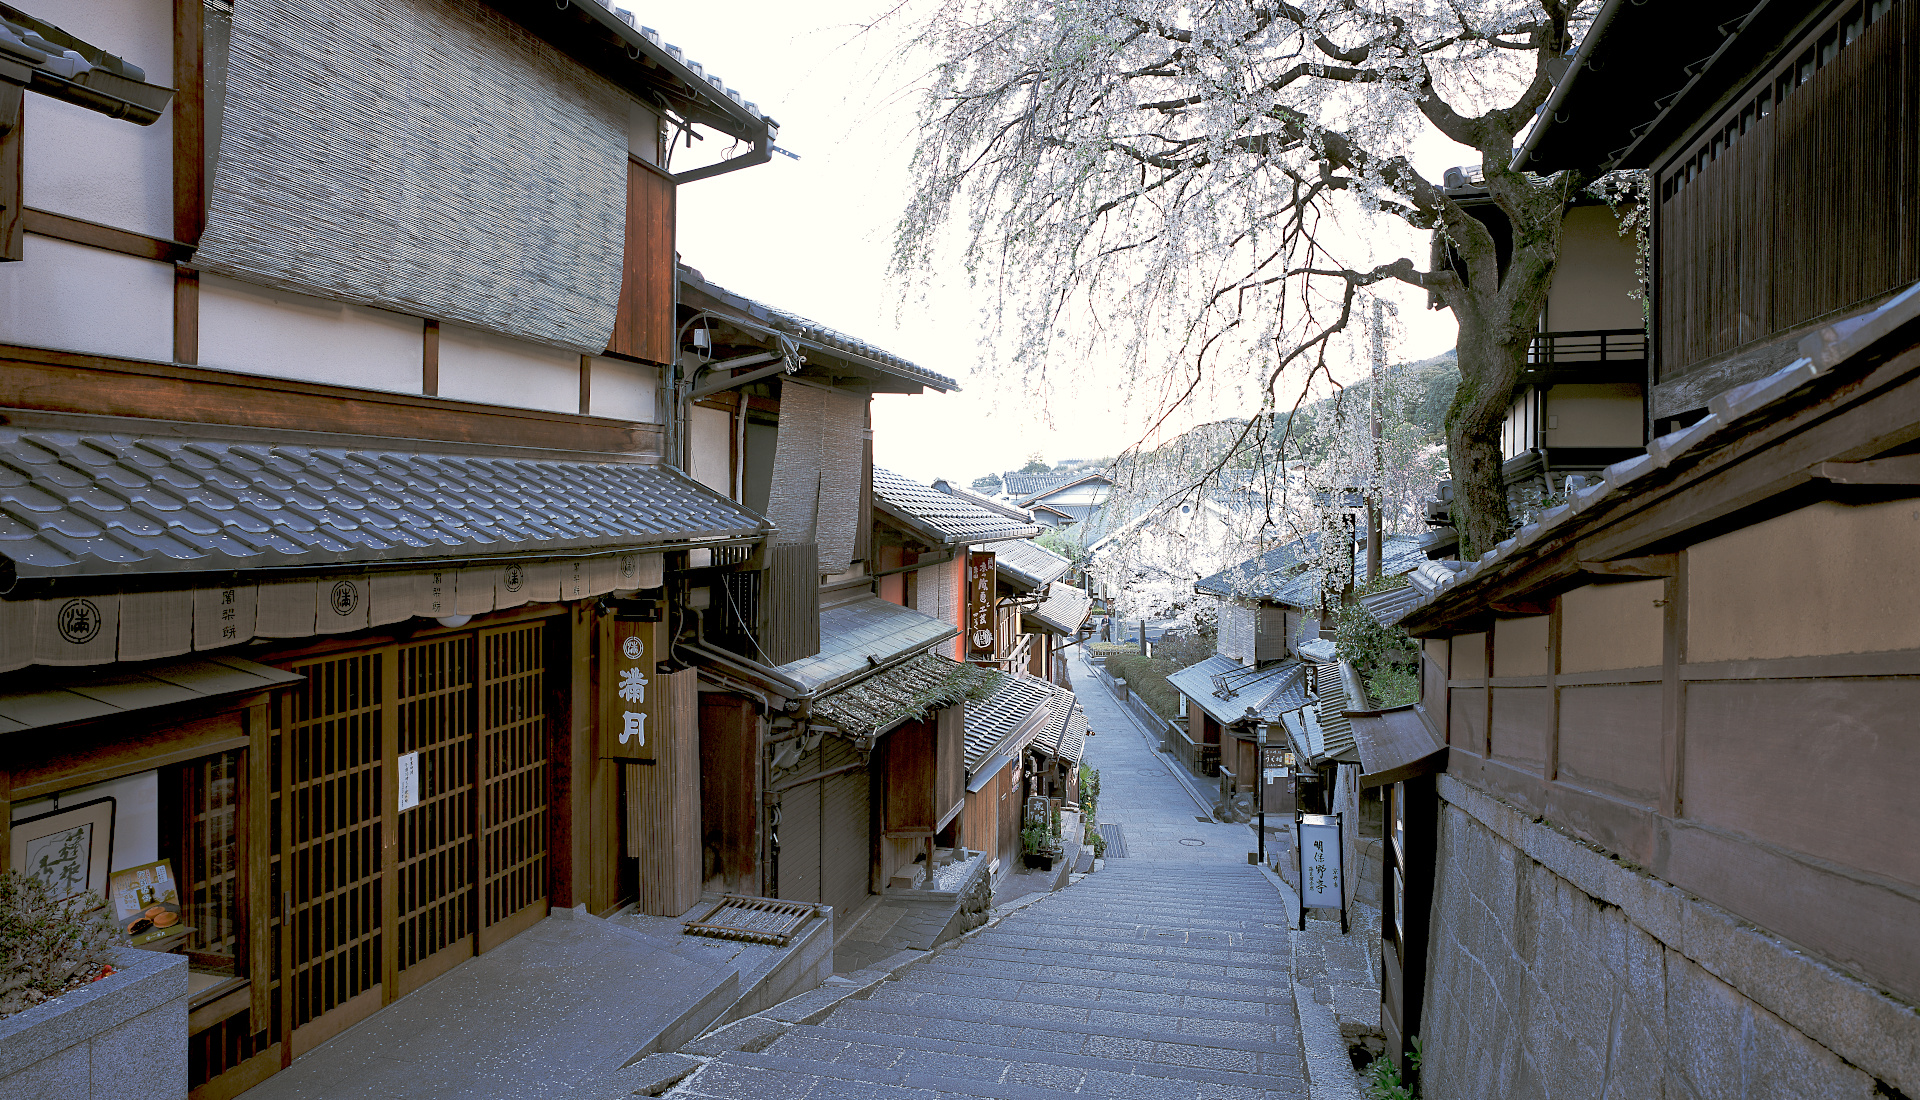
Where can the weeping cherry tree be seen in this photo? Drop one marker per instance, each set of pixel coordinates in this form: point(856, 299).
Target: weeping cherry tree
point(1202, 192)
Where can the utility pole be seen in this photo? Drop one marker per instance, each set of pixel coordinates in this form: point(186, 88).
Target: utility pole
point(1375, 540)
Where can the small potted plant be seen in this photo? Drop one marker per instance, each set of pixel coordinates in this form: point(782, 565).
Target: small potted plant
point(1039, 847)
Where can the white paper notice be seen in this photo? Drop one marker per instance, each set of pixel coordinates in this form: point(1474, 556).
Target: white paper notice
point(408, 776)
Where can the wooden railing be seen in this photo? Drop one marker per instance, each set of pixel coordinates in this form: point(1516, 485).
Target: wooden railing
point(1583, 346)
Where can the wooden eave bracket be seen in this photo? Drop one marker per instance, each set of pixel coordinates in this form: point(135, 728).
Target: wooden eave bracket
point(1653, 565)
point(1904, 470)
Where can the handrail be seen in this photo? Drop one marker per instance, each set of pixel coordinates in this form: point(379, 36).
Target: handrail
point(1590, 345)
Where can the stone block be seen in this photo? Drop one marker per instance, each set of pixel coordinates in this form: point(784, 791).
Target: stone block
point(65, 1073)
point(752, 1035)
point(650, 1076)
point(145, 1056)
point(143, 980)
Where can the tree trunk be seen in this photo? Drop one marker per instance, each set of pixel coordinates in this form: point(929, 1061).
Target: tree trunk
point(1491, 357)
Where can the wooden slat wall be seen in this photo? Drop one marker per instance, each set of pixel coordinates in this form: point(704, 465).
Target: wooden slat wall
point(663, 803)
point(790, 602)
point(1806, 213)
point(729, 791)
point(910, 753)
point(643, 327)
point(950, 768)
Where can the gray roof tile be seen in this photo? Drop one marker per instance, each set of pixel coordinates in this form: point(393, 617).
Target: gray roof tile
point(1064, 609)
point(861, 635)
point(943, 518)
point(77, 503)
point(1029, 565)
point(998, 724)
point(1225, 688)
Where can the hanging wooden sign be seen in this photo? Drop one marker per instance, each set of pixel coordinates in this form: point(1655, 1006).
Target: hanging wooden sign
point(982, 639)
point(627, 695)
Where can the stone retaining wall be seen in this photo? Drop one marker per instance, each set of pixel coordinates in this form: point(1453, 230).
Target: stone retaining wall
point(122, 1036)
point(1559, 972)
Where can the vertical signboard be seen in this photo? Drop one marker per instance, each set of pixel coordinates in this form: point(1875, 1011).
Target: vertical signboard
point(982, 637)
point(1276, 780)
point(1320, 867)
point(627, 729)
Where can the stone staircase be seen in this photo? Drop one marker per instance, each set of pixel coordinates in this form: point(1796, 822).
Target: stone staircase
point(1147, 980)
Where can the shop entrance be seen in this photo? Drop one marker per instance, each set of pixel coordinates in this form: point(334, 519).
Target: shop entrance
point(378, 900)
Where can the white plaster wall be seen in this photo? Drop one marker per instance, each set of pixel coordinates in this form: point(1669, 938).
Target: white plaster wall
point(136, 814)
point(499, 370)
point(258, 330)
point(1595, 274)
point(643, 134)
point(1594, 415)
point(77, 298)
point(85, 165)
point(710, 454)
point(625, 391)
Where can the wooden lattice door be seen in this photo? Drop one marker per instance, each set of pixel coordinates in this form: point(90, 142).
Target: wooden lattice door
point(513, 780)
point(434, 840)
point(378, 900)
point(334, 838)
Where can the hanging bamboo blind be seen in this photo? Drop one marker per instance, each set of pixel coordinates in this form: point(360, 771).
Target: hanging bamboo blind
point(426, 156)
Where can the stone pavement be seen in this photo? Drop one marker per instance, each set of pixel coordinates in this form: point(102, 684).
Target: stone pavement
point(1165, 974)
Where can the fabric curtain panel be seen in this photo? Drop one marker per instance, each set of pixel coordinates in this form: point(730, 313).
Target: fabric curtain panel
point(425, 156)
point(818, 464)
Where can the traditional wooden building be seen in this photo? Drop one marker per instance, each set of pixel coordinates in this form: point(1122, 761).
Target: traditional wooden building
point(1670, 719)
point(345, 525)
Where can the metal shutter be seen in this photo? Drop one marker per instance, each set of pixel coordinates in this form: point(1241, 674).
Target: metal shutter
point(845, 850)
point(799, 867)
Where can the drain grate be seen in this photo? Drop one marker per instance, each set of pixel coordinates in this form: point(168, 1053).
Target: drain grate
point(756, 920)
point(1116, 840)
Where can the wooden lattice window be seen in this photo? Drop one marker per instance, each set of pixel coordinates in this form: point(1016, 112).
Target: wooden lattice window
point(513, 765)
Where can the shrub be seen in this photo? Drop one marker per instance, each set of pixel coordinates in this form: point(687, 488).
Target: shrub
point(48, 946)
point(1147, 678)
point(1394, 686)
point(1383, 655)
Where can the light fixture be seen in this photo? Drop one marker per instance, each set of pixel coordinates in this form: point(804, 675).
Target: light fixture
point(452, 621)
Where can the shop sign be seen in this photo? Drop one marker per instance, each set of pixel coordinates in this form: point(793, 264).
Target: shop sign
point(1276, 780)
point(981, 634)
point(627, 674)
point(1320, 866)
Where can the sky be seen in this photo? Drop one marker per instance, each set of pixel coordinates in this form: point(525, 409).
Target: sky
point(812, 236)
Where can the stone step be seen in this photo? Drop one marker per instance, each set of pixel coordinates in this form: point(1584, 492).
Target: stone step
point(1047, 1058)
point(1153, 946)
point(937, 973)
point(1097, 1013)
point(1267, 922)
point(1271, 925)
point(907, 1018)
point(1161, 955)
point(1138, 974)
point(1011, 992)
point(767, 1076)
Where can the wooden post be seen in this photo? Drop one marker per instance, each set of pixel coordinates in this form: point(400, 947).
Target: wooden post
point(430, 359)
point(12, 185)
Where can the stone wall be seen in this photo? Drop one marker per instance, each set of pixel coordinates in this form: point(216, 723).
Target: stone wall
point(122, 1036)
point(1558, 972)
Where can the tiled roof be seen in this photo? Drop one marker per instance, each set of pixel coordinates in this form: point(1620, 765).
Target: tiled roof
point(1275, 575)
point(1322, 732)
point(1064, 609)
point(819, 335)
point(860, 635)
point(1026, 498)
point(87, 502)
point(981, 499)
point(999, 724)
point(1225, 688)
point(1388, 607)
point(1020, 486)
point(1064, 732)
point(1029, 565)
point(905, 692)
point(943, 519)
point(1729, 417)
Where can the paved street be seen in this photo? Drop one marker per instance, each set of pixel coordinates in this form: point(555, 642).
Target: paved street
point(1163, 975)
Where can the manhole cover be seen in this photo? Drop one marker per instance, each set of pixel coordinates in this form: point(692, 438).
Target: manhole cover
point(1192, 842)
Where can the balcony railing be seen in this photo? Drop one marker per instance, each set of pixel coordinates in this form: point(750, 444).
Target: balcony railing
point(1583, 346)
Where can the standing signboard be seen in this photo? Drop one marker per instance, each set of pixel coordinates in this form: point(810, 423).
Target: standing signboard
point(627, 729)
point(1321, 864)
point(982, 638)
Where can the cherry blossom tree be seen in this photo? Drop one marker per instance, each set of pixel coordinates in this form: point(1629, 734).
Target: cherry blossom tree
point(1202, 192)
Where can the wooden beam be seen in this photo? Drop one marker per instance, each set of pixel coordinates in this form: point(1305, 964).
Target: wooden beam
point(1654, 565)
point(109, 238)
point(586, 385)
point(1903, 470)
point(189, 120)
point(186, 315)
point(12, 167)
point(430, 358)
point(73, 382)
point(1519, 607)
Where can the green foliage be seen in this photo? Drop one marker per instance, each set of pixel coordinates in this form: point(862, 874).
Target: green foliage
point(1394, 686)
point(1111, 650)
point(1056, 821)
point(1384, 1081)
point(48, 945)
point(1380, 654)
point(1037, 840)
point(1099, 843)
point(1089, 794)
point(1147, 678)
point(989, 484)
point(1063, 544)
point(1036, 465)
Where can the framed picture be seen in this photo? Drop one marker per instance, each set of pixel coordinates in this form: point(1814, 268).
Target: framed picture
point(146, 902)
point(69, 848)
